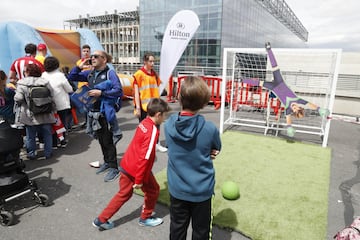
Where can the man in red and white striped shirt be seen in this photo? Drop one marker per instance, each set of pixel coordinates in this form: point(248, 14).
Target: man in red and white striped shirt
point(17, 67)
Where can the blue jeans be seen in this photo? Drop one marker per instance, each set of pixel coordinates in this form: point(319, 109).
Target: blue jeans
point(43, 130)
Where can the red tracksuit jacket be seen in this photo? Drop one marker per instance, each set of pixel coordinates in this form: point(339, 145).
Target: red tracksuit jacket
point(139, 158)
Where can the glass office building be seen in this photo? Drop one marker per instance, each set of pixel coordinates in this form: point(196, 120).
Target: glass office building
point(223, 23)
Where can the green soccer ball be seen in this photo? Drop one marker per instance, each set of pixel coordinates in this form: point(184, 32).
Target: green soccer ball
point(290, 131)
point(230, 190)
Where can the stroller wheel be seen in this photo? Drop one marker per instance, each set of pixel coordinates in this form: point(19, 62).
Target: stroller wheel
point(42, 199)
point(6, 218)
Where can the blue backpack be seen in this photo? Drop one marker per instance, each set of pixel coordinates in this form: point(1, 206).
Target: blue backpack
point(118, 101)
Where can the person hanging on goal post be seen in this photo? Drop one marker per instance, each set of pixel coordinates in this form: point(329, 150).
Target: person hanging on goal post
point(292, 103)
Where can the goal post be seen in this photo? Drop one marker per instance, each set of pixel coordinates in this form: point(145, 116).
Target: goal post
point(310, 74)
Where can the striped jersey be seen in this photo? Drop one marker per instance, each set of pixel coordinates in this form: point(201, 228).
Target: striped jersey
point(19, 64)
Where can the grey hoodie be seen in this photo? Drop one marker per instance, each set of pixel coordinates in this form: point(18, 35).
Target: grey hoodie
point(22, 113)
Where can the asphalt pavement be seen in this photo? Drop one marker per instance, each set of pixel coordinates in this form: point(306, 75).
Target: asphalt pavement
point(78, 195)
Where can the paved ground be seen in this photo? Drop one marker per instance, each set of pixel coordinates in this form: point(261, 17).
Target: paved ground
point(79, 194)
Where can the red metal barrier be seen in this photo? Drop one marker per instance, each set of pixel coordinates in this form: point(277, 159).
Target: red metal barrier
point(248, 93)
point(254, 96)
point(170, 95)
point(235, 90)
point(243, 94)
point(214, 84)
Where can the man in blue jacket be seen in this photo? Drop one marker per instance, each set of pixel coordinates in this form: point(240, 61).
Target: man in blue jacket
point(105, 87)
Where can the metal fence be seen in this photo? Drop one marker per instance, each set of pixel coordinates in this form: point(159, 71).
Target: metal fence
point(348, 85)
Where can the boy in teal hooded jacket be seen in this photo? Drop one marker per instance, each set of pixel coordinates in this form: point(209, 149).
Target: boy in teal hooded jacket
point(192, 144)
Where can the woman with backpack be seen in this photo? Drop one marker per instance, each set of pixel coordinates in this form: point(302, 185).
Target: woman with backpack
point(34, 98)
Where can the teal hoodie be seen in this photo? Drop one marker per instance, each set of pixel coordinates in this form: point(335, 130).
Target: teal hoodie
point(190, 171)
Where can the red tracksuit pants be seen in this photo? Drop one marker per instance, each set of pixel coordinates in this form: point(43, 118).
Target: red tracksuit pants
point(150, 188)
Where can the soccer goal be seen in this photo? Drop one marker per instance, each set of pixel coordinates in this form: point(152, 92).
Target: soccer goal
point(309, 74)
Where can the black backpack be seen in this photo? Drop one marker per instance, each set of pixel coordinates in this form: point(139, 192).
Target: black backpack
point(40, 100)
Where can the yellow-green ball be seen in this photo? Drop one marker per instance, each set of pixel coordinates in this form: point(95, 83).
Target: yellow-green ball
point(230, 190)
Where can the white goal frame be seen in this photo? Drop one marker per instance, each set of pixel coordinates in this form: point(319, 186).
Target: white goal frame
point(311, 73)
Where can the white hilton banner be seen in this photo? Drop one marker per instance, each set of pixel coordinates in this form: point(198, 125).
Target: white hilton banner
point(177, 35)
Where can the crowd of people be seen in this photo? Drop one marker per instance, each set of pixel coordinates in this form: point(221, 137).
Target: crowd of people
point(37, 97)
point(37, 70)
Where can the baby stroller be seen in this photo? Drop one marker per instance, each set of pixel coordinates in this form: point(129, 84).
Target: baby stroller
point(14, 182)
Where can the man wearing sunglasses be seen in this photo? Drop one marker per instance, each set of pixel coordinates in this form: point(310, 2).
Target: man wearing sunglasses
point(105, 88)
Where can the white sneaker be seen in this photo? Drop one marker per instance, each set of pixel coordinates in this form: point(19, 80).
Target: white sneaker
point(41, 145)
point(161, 148)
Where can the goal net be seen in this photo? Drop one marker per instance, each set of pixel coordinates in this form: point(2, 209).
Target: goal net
point(310, 74)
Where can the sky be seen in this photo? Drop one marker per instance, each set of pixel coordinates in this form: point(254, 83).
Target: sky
point(330, 23)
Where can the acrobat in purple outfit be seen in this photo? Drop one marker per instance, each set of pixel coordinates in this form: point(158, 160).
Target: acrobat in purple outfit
point(286, 96)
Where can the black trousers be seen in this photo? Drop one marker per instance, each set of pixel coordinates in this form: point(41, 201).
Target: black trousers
point(181, 212)
point(143, 115)
point(65, 116)
point(105, 138)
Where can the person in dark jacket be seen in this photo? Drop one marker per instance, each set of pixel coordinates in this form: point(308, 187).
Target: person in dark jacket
point(100, 125)
point(192, 144)
point(6, 99)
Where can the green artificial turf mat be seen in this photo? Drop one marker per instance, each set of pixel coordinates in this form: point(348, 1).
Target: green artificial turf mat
point(283, 187)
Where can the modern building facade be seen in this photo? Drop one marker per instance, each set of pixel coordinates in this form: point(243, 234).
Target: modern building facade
point(223, 23)
point(118, 33)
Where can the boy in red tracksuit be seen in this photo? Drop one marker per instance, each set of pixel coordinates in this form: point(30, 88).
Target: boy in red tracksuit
point(135, 168)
